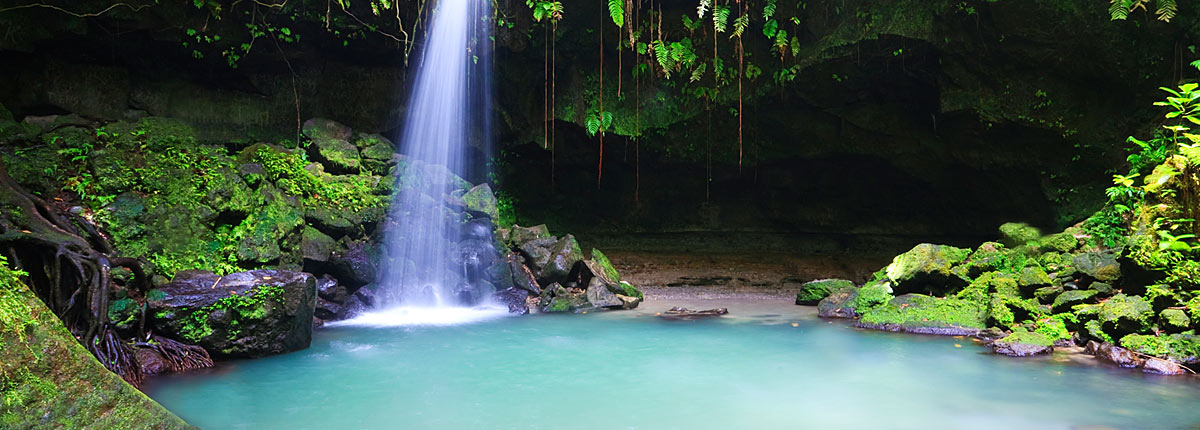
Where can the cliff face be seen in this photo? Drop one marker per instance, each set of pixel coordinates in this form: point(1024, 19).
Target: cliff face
point(942, 117)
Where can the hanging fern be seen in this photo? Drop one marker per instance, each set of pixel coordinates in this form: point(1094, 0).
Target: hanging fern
point(769, 10)
point(663, 55)
point(1166, 10)
point(739, 25)
point(770, 28)
point(698, 72)
point(720, 18)
point(616, 9)
point(703, 7)
point(1120, 9)
point(1196, 64)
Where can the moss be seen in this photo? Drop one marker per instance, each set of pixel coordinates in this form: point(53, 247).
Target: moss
point(1016, 234)
point(1055, 327)
point(999, 314)
point(1123, 314)
point(1161, 296)
point(241, 309)
point(916, 310)
point(1193, 308)
point(872, 295)
point(1069, 299)
point(606, 266)
point(813, 291)
point(47, 379)
point(1172, 320)
point(1179, 347)
point(631, 291)
point(1028, 338)
point(1094, 330)
point(1061, 242)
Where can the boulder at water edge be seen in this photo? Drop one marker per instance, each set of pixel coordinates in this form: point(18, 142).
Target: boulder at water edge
point(246, 314)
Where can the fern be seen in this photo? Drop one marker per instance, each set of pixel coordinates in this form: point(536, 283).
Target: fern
point(663, 55)
point(616, 9)
point(1166, 10)
point(1196, 64)
point(698, 72)
point(781, 42)
point(739, 25)
point(720, 18)
point(769, 10)
point(703, 7)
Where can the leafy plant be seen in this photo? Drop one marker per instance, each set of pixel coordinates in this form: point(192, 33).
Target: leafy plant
point(1120, 9)
point(616, 9)
point(546, 9)
point(598, 123)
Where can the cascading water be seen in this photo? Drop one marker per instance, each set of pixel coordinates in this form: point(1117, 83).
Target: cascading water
point(432, 265)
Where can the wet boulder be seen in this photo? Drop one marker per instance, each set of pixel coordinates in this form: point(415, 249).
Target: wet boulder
point(557, 298)
point(522, 277)
point(553, 260)
point(1100, 265)
point(245, 314)
point(1162, 367)
point(1015, 234)
point(516, 299)
point(927, 269)
point(813, 292)
point(685, 314)
point(838, 304)
point(599, 295)
point(1115, 355)
point(1173, 320)
point(354, 265)
point(1023, 344)
point(1063, 302)
point(316, 246)
point(519, 235)
point(480, 200)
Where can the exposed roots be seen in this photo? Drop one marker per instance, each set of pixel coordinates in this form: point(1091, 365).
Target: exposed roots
point(178, 355)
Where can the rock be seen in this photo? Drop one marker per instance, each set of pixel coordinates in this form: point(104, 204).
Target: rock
point(151, 362)
point(328, 288)
point(599, 266)
point(918, 313)
point(537, 253)
point(1048, 294)
point(838, 304)
point(1061, 242)
point(1015, 234)
point(316, 246)
point(685, 314)
point(338, 156)
point(478, 229)
point(1023, 344)
point(479, 199)
point(327, 310)
point(1122, 315)
point(321, 128)
point(563, 256)
point(556, 298)
point(474, 257)
point(515, 298)
point(1101, 288)
point(598, 294)
point(989, 257)
point(519, 235)
point(812, 292)
point(1173, 320)
point(523, 278)
point(245, 314)
point(1032, 278)
point(1178, 347)
point(927, 269)
point(1102, 266)
point(1067, 299)
point(353, 266)
point(1162, 367)
point(278, 218)
point(1116, 355)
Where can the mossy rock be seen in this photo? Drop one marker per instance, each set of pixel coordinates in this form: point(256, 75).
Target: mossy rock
point(1068, 299)
point(872, 295)
point(479, 199)
point(812, 292)
point(1102, 288)
point(1024, 344)
point(1061, 242)
point(339, 156)
point(1179, 347)
point(1018, 233)
point(48, 380)
point(1161, 296)
point(1173, 320)
point(1047, 294)
point(1102, 266)
point(519, 235)
point(563, 256)
point(927, 268)
point(1032, 278)
point(839, 304)
point(1122, 315)
point(918, 313)
point(321, 128)
point(990, 256)
point(601, 267)
point(316, 246)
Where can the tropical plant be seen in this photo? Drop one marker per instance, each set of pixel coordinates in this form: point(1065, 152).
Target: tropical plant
point(1120, 9)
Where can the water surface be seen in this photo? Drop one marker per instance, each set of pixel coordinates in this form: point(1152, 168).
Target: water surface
point(770, 366)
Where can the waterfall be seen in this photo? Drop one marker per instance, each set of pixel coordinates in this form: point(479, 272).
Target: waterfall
point(447, 112)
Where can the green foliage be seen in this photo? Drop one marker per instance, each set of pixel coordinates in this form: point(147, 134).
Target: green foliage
point(616, 10)
point(1055, 327)
point(552, 10)
point(1120, 9)
point(720, 18)
point(242, 309)
point(598, 123)
point(507, 204)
